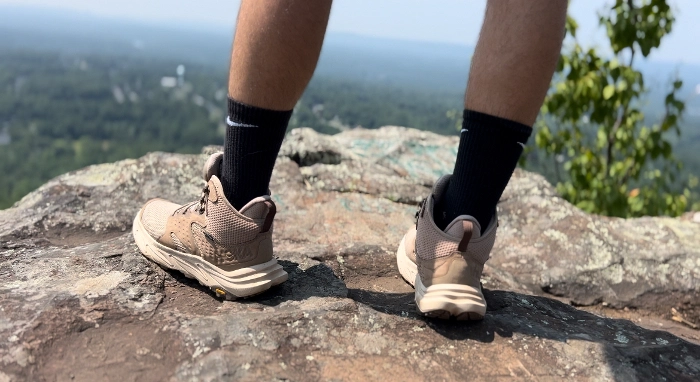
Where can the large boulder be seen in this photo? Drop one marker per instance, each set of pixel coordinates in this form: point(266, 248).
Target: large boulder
point(79, 302)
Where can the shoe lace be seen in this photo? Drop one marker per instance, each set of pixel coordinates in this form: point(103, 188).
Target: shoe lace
point(203, 200)
point(420, 209)
point(201, 204)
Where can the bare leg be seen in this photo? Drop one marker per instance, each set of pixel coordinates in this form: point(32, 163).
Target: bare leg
point(511, 69)
point(515, 58)
point(275, 50)
point(276, 47)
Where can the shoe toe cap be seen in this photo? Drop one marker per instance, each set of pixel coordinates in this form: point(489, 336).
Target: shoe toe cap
point(155, 214)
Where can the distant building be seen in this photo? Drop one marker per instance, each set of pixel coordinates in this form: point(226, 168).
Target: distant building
point(118, 94)
point(180, 75)
point(168, 82)
point(198, 100)
point(5, 137)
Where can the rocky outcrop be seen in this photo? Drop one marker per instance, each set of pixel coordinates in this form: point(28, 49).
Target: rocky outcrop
point(78, 301)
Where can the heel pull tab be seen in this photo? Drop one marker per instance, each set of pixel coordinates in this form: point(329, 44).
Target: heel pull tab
point(271, 211)
point(468, 230)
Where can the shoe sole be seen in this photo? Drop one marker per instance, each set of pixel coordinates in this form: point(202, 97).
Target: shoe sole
point(244, 282)
point(443, 301)
point(407, 268)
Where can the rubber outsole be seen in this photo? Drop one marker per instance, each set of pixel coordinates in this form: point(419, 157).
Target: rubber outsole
point(462, 302)
point(443, 301)
point(244, 282)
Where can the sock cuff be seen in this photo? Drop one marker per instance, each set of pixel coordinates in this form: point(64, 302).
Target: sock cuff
point(477, 122)
point(240, 113)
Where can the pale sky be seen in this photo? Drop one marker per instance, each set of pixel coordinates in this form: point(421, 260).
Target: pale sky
point(450, 21)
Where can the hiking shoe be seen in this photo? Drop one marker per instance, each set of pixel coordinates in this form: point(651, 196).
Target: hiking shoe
point(227, 250)
point(445, 266)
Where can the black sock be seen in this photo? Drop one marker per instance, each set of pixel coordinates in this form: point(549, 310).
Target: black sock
point(489, 149)
point(253, 139)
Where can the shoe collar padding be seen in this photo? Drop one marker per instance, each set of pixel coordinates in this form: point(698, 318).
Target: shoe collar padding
point(213, 165)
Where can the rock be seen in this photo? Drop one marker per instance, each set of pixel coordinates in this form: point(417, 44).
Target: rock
point(80, 303)
point(305, 147)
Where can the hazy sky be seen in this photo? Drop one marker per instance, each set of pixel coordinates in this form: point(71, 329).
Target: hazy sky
point(452, 21)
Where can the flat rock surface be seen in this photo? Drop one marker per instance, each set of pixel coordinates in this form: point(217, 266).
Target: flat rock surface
point(570, 295)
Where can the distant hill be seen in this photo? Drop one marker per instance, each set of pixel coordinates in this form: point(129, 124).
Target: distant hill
point(409, 63)
point(360, 80)
point(431, 66)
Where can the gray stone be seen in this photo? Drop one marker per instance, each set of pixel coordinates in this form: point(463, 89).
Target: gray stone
point(79, 302)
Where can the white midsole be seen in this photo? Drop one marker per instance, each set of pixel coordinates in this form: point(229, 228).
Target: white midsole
point(407, 268)
point(454, 298)
point(241, 282)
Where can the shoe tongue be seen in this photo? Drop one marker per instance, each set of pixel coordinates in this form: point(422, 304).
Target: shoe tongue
point(212, 166)
point(456, 228)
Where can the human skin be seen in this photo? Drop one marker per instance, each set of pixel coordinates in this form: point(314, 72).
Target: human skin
point(275, 50)
point(515, 58)
point(277, 45)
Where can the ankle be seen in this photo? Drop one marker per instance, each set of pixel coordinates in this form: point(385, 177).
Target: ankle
point(253, 139)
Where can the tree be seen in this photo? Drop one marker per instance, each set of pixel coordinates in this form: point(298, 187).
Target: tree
point(627, 168)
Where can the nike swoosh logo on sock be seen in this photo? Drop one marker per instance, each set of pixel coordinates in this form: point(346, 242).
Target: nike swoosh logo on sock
point(463, 130)
point(521, 144)
point(236, 124)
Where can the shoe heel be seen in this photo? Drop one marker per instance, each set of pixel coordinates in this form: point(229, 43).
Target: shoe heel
point(462, 302)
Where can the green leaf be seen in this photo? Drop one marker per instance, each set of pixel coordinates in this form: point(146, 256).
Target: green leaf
point(591, 91)
point(608, 91)
point(622, 85)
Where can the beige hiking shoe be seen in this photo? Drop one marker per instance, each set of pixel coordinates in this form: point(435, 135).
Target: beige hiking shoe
point(445, 266)
point(227, 250)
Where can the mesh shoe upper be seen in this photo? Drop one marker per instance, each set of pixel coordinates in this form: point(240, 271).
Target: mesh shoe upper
point(462, 239)
point(155, 215)
point(211, 227)
point(432, 242)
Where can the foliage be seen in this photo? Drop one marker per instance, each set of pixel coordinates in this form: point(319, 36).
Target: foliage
point(61, 112)
point(330, 105)
point(627, 168)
